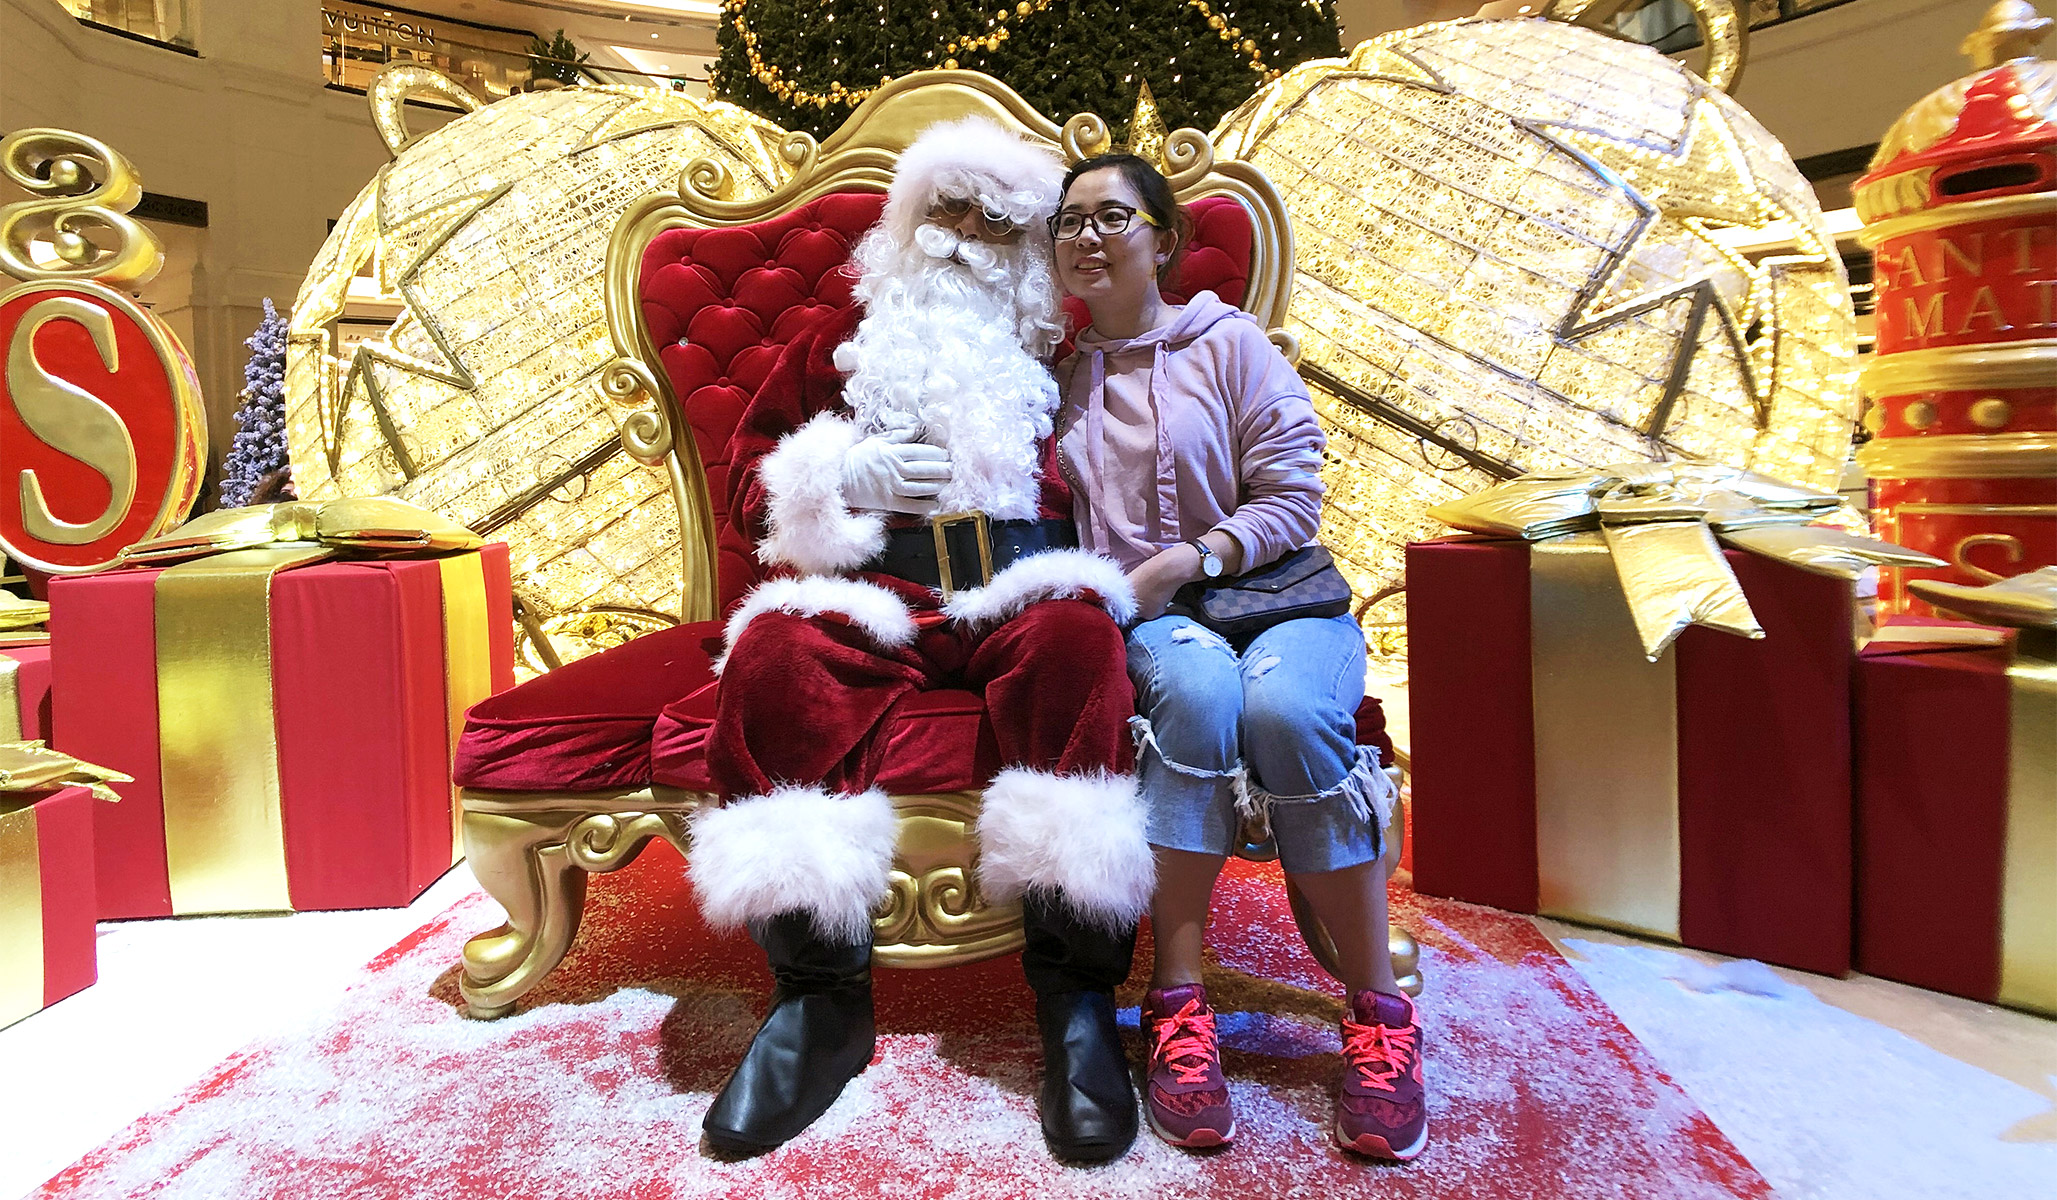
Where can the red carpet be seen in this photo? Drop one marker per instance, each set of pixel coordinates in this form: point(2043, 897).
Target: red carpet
point(596, 1088)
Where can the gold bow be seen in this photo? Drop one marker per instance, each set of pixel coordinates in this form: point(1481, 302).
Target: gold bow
point(1660, 522)
point(18, 613)
point(2023, 602)
point(361, 524)
point(32, 766)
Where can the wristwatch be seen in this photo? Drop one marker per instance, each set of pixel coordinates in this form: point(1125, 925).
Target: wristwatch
point(1210, 562)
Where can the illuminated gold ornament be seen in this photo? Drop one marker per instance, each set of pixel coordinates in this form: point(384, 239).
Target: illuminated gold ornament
point(1519, 250)
point(480, 401)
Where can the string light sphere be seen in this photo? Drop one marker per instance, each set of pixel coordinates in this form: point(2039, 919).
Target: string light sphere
point(1518, 249)
point(480, 400)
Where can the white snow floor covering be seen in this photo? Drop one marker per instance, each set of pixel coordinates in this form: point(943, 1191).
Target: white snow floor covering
point(1853, 1089)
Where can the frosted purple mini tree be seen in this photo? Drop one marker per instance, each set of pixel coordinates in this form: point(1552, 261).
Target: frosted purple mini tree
point(257, 459)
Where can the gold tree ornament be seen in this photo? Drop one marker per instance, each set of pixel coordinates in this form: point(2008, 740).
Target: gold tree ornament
point(480, 401)
point(1527, 246)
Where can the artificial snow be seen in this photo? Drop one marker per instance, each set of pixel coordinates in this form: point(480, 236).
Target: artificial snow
point(1829, 1104)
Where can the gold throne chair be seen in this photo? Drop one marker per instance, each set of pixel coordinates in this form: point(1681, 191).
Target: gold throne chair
point(576, 771)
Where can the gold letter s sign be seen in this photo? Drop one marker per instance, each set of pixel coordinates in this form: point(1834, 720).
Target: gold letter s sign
point(102, 440)
point(70, 420)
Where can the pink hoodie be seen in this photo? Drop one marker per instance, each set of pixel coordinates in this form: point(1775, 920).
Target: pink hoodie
point(1237, 447)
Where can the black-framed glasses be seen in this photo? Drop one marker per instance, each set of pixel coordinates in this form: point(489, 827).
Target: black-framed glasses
point(1107, 221)
point(992, 222)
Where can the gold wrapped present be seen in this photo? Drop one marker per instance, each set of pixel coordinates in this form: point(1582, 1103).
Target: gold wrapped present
point(286, 682)
point(46, 875)
point(1578, 751)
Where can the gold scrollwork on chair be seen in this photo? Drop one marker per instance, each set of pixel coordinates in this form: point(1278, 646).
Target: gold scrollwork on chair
point(532, 853)
point(934, 914)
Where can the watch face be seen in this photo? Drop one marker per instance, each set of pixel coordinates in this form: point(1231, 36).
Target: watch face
point(1210, 563)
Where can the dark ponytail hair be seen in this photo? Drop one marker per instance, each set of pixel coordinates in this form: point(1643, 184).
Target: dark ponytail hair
point(1155, 193)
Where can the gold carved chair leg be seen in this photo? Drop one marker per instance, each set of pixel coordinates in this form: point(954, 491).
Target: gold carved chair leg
point(532, 853)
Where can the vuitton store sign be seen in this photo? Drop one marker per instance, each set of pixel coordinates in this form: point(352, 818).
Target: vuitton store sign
point(385, 25)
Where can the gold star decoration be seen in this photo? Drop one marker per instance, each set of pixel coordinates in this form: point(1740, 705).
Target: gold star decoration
point(1689, 193)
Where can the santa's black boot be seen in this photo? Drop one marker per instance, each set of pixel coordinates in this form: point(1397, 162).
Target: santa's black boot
point(1073, 965)
point(816, 1038)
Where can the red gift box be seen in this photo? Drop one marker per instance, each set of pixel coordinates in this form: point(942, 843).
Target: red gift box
point(25, 690)
point(334, 793)
point(1957, 812)
point(46, 900)
point(1703, 798)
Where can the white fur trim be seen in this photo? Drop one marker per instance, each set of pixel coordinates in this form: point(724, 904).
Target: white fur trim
point(812, 528)
point(975, 153)
point(797, 849)
point(1051, 575)
point(1080, 836)
point(882, 616)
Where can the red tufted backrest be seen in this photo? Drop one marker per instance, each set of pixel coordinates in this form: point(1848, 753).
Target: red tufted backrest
point(720, 304)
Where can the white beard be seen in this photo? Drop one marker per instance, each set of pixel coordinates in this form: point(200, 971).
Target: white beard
point(949, 348)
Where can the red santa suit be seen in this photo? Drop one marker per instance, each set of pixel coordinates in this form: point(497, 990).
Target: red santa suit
point(819, 654)
point(818, 658)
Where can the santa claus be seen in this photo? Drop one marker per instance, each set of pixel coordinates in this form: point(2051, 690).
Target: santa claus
point(897, 471)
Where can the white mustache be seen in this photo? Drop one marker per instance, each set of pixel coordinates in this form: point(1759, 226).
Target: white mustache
point(950, 246)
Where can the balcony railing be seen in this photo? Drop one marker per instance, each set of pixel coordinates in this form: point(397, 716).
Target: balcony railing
point(1668, 25)
point(351, 58)
point(164, 21)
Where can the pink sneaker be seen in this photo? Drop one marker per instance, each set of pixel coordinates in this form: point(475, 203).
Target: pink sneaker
point(1382, 1110)
point(1185, 1096)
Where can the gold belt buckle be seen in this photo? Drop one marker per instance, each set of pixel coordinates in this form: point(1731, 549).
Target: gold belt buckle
point(941, 522)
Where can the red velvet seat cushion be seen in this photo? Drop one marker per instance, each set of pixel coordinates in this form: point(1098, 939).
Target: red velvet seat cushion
point(586, 725)
point(936, 741)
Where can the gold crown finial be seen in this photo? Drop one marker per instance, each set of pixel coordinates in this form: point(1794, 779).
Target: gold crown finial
point(2012, 29)
point(1146, 131)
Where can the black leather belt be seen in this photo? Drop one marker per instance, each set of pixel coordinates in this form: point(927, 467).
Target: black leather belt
point(963, 550)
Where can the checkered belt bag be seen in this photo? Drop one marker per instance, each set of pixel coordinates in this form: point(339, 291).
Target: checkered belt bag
point(1304, 583)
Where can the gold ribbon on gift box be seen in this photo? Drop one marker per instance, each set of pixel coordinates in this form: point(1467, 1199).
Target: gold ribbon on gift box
point(225, 847)
point(2028, 896)
point(30, 767)
point(21, 622)
point(1623, 559)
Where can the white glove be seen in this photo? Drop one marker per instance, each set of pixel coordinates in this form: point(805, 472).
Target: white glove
point(891, 472)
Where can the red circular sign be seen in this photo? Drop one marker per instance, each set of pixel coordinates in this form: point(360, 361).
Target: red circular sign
point(101, 432)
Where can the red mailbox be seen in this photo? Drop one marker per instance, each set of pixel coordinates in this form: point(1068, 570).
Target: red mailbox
point(1960, 213)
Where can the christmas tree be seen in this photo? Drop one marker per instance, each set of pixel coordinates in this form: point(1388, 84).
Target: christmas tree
point(257, 461)
point(806, 63)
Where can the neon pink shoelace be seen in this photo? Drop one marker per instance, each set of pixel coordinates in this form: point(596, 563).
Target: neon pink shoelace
point(1186, 1042)
point(1376, 1052)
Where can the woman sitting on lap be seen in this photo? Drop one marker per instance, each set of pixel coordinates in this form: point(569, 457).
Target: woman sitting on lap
point(1198, 455)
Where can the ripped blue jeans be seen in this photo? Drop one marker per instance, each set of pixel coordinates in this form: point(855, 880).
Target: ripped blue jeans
point(1271, 725)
